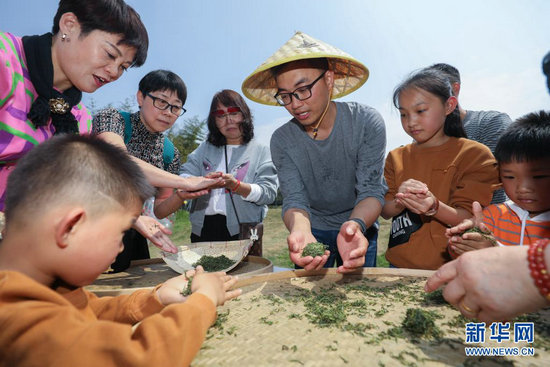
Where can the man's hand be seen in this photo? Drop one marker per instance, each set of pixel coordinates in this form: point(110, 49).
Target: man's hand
point(352, 246)
point(297, 240)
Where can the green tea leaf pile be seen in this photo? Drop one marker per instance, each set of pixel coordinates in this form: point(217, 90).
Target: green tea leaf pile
point(214, 263)
point(314, 249)
point(485, 235)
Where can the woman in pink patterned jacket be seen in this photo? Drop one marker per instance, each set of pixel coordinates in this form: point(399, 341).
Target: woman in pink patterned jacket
point(42, 77)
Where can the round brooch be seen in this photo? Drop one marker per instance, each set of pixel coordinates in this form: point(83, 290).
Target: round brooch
point(59, 105)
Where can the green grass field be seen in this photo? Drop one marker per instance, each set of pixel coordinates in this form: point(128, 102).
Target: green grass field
point(274, 240)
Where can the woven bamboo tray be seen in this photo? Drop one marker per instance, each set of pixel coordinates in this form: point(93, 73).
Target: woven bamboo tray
point(268, 326)
point(148, 273)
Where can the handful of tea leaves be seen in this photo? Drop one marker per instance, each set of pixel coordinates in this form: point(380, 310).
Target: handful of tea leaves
point(314, 249)
point(214, 263)
point(486, 235)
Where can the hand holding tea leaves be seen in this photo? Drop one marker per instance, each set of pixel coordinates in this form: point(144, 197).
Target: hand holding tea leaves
point(471, 234)
point(297, 241)
point(216, 286)
point(352, 246)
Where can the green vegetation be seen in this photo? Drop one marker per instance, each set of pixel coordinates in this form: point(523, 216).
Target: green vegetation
point(187, 290)
point(486, 235)
point(421, 323)
point(214, 263)
point(314, 249)
point(434, 298)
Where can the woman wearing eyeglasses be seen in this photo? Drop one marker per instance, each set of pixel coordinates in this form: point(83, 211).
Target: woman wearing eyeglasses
point(249, 176)
point(161, 96)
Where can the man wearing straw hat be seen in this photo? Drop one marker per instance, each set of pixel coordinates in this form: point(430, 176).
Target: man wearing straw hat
point(329, 156)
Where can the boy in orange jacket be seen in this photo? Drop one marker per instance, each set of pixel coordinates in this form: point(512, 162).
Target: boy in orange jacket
point(68, 204)
point(524, 164)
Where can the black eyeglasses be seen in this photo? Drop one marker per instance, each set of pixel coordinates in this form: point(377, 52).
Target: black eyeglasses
point(161, 104)
point(300, 94)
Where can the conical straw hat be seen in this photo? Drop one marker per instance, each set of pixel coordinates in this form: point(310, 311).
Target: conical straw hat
point(349, 74)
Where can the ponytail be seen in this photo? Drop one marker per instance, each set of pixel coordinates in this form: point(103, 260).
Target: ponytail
point(453, 126)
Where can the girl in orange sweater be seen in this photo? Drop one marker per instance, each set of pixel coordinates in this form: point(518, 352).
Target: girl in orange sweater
point(433, 181)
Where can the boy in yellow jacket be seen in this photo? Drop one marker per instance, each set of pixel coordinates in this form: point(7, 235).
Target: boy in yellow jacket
point(68, 204)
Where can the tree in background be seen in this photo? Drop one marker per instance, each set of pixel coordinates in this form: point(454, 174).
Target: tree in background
point(128, 105)
point(188, 137)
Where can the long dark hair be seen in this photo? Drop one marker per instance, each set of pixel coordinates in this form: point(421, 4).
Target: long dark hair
point(229, 98)
point(436, 83)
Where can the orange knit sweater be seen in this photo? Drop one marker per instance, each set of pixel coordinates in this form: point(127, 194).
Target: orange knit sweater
point(44, 327)
point(458, 173)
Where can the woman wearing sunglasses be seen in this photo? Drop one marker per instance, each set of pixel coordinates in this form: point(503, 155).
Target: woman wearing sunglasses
point(249, 176)
point(160, 97)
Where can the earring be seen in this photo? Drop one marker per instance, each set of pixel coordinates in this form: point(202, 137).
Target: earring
point(64, 37)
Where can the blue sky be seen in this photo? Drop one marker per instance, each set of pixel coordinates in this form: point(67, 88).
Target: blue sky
point(497, 45)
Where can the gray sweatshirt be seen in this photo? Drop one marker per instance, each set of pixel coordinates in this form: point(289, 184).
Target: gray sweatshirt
point(486, 127)
point(327, 178)
point(250, 163)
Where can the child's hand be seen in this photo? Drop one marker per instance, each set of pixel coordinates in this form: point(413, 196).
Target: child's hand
point(475, 221)
point(213, 285)
point(412, 186)
point(471, 241)
point(471, 234)
point(172, 291)
point(415, 196)
point(419, 203)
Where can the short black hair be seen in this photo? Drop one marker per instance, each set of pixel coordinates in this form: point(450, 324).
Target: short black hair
point(452, 73)
point(111, 16)
point(161, 80)
point(437, 83)
point(526, 139)
point(71, 168)
point(229, 98)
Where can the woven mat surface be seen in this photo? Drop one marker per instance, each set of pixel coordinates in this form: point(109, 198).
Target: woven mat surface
point(149, 273)
point(269, 326)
